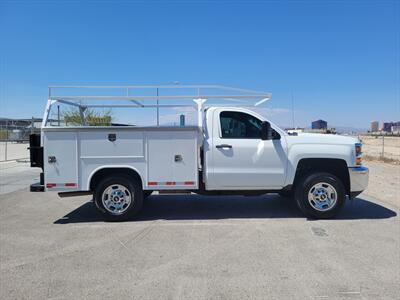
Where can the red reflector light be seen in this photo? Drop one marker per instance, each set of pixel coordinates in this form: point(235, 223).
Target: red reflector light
point(152, 183)
point(70, 184)
point(189, 182)
point(170, 182)
point(50, 185)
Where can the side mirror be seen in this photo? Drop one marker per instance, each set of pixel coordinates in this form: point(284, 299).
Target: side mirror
point(266, 131)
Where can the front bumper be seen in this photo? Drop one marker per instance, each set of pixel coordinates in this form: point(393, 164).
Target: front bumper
point(358, 180)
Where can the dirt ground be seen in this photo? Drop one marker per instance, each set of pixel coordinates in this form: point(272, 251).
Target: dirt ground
point(374, 147)
point(384, 182)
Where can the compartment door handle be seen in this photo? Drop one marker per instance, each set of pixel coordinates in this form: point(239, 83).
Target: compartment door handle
point(112, 137)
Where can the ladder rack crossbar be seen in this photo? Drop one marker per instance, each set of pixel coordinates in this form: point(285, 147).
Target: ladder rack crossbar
point(133, 94)
point(176, 86)
point(169, 97)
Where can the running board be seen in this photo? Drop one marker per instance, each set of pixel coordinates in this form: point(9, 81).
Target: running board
point(74, 194)
point(174, 192)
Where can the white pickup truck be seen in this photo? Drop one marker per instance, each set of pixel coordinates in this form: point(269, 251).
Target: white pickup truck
point(232, 151)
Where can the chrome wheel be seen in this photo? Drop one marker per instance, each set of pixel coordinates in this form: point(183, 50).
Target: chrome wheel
point(116, 199)
point(322, 196)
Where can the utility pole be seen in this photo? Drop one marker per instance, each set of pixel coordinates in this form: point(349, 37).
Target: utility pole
point(158, 111)
point(58, 114)
point(6, 141)
point(292, 110)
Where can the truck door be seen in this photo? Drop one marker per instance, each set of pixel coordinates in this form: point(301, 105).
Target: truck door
point(240, 159)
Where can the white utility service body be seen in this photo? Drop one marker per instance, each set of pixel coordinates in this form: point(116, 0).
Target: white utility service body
point(225, 152)
point(80, 152)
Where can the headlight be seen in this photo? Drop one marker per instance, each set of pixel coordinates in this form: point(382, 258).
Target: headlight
point(358, 153)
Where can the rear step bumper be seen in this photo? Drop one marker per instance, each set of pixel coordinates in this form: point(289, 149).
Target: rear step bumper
point(38, 186)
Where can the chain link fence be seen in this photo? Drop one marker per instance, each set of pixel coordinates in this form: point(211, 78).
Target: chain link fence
point(14, 138)
point(381, 147)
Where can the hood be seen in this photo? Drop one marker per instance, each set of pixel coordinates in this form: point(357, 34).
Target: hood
point(318, 138)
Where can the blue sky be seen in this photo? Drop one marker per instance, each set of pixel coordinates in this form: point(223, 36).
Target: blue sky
point(339, 58)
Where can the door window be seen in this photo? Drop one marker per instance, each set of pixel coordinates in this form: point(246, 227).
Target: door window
point(238, 125)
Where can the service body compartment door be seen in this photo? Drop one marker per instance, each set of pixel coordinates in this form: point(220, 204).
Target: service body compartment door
point(172, 157)
point(97, 144)
point(60, 160)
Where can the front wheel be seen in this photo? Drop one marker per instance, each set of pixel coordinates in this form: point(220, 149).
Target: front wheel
point(320, 195)
point(118, 198)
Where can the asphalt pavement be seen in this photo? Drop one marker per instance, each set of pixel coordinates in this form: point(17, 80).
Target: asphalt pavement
point(195, 247)
point(17, 175)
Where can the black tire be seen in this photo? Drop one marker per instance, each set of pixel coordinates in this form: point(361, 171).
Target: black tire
point(147, 194)
point(307, 182)
point(132, 188)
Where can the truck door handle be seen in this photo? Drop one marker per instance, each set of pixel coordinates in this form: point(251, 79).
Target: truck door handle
point(223, 146)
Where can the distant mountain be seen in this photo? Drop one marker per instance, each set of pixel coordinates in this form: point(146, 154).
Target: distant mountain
point(344, 129)
point(339, 129)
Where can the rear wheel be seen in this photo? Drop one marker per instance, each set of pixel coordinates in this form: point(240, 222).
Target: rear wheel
point(118, 198)
point(320, 195)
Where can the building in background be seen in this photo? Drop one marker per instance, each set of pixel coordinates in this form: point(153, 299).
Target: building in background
point(396, 123)
point(391, 127)
point(319, 124)
point(182, 120)
point(387, 127)
point(374, 126)
point(396, 129)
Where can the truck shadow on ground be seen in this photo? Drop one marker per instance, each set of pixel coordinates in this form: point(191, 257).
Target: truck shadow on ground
point(194, 207)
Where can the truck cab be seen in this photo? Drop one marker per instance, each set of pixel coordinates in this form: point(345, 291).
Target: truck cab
point(232, 151)
point(238, 156)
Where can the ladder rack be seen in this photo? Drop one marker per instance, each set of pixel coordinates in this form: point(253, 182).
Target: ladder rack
point(139, 97)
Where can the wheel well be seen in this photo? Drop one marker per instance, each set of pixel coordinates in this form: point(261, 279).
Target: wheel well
point(337, 167)
point(102, 173)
